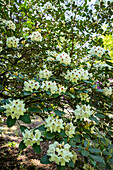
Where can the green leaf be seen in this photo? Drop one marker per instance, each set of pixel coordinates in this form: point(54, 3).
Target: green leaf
point(94, 119)
point(71, 164)
point(111, 160)
point(22, 145)
point(1, 87)
point(73, 144)
point(25, 118)
point(84, 153)
point(27, 93)
point(94, 150)
point(97, 158)
point(109, 63)
point(85, 143)
point(72, 96)
point(63, 134)
point(33, 109)
point(60, 167)
point(37, 148)
point(55, 95)
point(100, 115)
point(59, 113)
point(41, 128)
point(48, 92)
point(10, 121)
point(23, 128)
point(2, 109)
point(110, 146)
point(49, 135)
point(45, 160)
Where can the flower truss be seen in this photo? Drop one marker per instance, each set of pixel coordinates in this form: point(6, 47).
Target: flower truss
point(15, 108)
point(70, 129)
point(61, 154)
point(54, 124)
point(36, 36)
point(83, 111)
point(45, 74)
point(63, 58)
point(30, 85)
point(10, 25)
point(108, 91)
point(99, 51)
point(12, 42)
point(30, 137)
point(76, 75)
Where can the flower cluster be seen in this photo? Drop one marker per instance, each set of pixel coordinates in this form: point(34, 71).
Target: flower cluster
point(45, 74)
point(30, 138)
point(71, 1)
point(97, 51)
point(84, 97)
point(54, 124)
point(12, 42)
point(48, 5)
point(69, 129)
point(30, 85)
point(63, 58)
point(83, 111)
point(49, 85)
point(76, 75)
point(36, 36)
point(60, 153)
point(52, 86)
point(101, 65)
point(15, 108)
point(62, 89)
point(10, 25)
point(108, 91)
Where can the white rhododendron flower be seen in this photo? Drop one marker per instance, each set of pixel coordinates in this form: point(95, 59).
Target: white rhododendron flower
point(15, 108)
point(61, 154)
point(83, 111)
point(54, 124)
point(69, 129)
point(10, 25)
point(63, 58)
point(62, 89)
point(30, 138)
point(84, 97)
point(45, 74)
point(85, 58)
point(52, 86)
point(97, 51)
point(108, 91)
point(48, 5)
point(76, 75)
point(30, 85)
point(49, 85)
point(25, 29)
point(71, 1)
point(12, 42)
point(36, 36)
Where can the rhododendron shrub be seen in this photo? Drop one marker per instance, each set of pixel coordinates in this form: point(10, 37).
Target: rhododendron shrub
point(53, 64)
